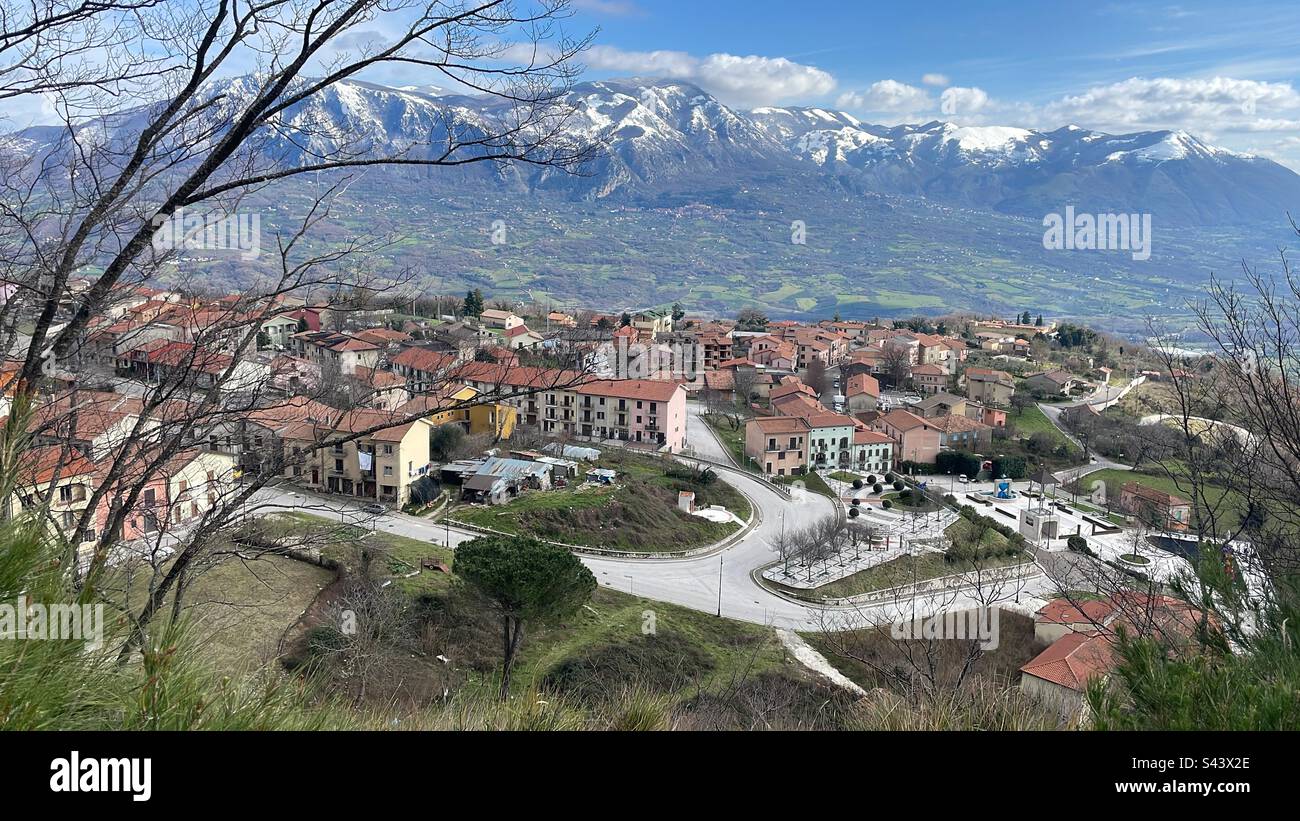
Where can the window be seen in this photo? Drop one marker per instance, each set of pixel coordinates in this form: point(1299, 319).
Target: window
point(65, 493)
point(388, 450)
point(388, 470)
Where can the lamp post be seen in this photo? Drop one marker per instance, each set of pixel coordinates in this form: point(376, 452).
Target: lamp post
point(719, 585)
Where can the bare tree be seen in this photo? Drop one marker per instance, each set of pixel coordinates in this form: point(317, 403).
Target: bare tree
point(79, 217)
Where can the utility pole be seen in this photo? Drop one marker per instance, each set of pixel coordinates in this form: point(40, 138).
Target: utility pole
point(719, 585)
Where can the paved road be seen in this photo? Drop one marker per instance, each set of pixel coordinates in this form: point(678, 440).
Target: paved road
point(700, 437)
point(691, 582)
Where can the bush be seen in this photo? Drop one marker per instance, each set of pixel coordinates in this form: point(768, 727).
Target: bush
point(1012, 467)
point(871, 480)
point(919, 468)
point(877, 488)
point(857, 484)
point(949, 499)
point(1078, 544)
point(857, 502)
point(853, 511)
point(957, 463)
point(886, 504)
point(898, 484)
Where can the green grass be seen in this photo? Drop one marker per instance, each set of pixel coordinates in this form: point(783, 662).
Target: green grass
point(732, 440)
point(902, 571)
point(1032, 420)
point(908, 569)
point(845, 476)
point(639, 513)
point(1116, 479)
point(811, 480)
point(896, 497)
point(607, 646)
point(236, 610)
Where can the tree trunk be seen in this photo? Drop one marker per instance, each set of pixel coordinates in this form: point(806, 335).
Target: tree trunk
point(511, 631)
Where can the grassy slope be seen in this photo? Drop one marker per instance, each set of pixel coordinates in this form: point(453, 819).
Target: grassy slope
point(639, 513)
point(1032, 421)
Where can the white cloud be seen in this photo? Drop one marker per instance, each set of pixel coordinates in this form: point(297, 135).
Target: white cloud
point(1222, 103)
point(887, 97)
point(957, 101)
point(935, 79)
point(741, 81)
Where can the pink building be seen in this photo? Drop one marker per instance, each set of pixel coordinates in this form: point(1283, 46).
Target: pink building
point(916, 439)
point(779, 444)
point(635, 410)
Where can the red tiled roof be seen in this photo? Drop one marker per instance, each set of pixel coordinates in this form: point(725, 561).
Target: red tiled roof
point(519, 376)
point(1063, 611)
point(861, 383)
point(423, 359)
point(39, 465)
point(655, 390)
point(779, 424)
point(1073, 660)
point(862, 436)
point(902, 420)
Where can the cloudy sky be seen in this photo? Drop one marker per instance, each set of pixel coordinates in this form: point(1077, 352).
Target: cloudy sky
point(1225, 71)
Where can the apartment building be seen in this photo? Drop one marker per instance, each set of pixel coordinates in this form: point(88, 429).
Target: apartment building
point(989, 387)
point(336, 352)
point(381, 465)
point(559, 402)
point(634, 410)
point(424, 369)
point(778, 444)
point(915, 439)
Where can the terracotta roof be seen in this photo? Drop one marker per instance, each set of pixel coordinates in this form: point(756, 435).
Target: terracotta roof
point(1063, 611)
point(862, 383)
point(518, 330)
point(1073, 660)
point(902, 420)
point(928, 370)
point(956, 423)
point(383, 336)
point(779, 424)
point(424, 359)
point(741, 362)
point(39, 465)
point(827, 419)
point(377, 378)
point(798, 404)
point(790, 388)
point(655, 390)
point(720, 380)
point(518, 376)
point(863, 436)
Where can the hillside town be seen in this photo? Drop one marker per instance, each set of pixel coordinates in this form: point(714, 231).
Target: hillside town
point(872, 445)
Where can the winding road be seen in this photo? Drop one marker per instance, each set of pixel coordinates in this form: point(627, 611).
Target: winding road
point(719, 580)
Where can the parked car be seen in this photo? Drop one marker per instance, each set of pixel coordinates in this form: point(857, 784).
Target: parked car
point(375, 508)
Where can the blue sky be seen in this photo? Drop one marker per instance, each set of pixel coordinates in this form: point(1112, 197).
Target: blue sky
point(1225, 71)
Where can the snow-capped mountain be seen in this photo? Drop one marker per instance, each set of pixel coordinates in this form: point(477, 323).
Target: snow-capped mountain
point(1014, 170)
point(667, 137)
